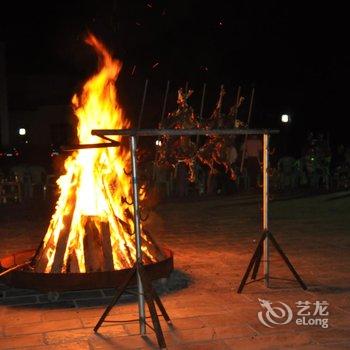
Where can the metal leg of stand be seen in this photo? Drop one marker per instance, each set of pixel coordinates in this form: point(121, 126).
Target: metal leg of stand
point(251, 263)
point(150, 300)
point(257, 263)
point(263, 248)
point(266, 261)
point(148, 284)
point(151, 297)
point(288, 263)
point(266, 208)
point(141, 297)
point(119, 292)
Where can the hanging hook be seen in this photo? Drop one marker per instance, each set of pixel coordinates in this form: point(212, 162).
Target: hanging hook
point(124, 200)
point(126, 173)
point(128, 214)
point(145, 218)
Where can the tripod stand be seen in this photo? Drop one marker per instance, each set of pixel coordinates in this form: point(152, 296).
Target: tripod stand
point(262, 249)
point(144, 284)
point(149, 294)
point(255, 261)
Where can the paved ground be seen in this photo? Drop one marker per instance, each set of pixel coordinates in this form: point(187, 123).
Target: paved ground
point(213, 241)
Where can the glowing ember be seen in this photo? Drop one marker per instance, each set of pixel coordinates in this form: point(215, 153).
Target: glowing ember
point(92, 228)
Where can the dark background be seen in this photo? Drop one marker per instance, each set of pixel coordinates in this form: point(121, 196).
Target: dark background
point(294, 54)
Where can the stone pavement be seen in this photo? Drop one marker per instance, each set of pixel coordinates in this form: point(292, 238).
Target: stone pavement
point(213, 241)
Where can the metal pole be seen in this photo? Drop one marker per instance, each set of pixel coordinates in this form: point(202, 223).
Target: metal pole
point(237, 102)
point(142, 104)
point(201, 110)
point(162, 119)
point(186, 87)
point(266, 207)
point(238, 95)
point(180, 132)
point(141, 298)
point(248, 121)
point(202, 101)
point(165, 101)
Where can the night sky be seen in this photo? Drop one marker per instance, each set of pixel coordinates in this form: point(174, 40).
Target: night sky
point(294, 55)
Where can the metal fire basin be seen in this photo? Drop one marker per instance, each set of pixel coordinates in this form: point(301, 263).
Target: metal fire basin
point(47, 282)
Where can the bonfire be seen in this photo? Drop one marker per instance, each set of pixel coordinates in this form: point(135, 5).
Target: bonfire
point(92, 228)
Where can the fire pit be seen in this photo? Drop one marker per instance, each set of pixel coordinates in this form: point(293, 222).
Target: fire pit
point(24, 278)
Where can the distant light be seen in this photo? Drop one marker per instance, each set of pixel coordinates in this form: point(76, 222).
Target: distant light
point(22, 131)
point(285, 118)
point(158, 143)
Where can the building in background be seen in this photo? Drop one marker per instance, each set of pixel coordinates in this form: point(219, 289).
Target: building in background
point(4, 120)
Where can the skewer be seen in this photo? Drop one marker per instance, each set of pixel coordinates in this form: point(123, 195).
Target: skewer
point(248, 121)
point(202, 107)
point(237, 104)
point(165, 101)
point(13, 268)
point(142, 104)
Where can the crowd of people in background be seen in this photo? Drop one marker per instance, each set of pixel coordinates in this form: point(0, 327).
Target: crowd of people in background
point(318, 169)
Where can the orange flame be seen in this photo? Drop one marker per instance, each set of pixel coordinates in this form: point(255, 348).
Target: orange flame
point(95, 182)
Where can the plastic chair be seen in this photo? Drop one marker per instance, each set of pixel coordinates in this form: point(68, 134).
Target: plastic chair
point(38, 180)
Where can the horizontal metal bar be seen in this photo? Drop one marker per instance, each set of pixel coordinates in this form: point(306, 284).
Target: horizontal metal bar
point(108, 139)
point(182, 132)
point(90, 145)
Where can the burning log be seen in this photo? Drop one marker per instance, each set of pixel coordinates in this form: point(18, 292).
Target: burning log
point(93, 254)
point(72, 263)
point(55, 251)
point(152, 243)
point(61, 246)
point(126, 257)
point(106, 246)
point(55, 248)
point(43, 259)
